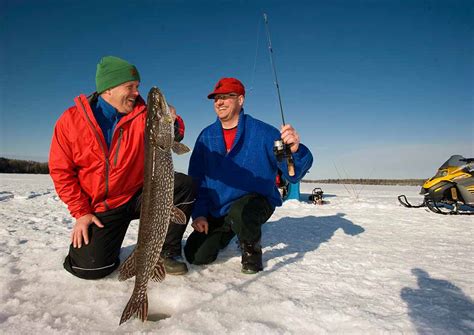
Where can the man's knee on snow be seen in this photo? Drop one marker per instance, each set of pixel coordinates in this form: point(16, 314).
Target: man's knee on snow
point(91, 268)
point(200, 258)
point(197, 252)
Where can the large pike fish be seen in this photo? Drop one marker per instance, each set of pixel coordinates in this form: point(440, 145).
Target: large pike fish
point(157, 207)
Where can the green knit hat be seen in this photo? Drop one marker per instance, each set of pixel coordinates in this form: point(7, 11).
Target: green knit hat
point(113, 71)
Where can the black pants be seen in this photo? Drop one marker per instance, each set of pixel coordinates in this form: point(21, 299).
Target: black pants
point(101, 256)
point(245, 219)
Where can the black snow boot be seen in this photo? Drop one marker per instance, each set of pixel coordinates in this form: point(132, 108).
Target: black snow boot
point(175, 266)
point(251, 257)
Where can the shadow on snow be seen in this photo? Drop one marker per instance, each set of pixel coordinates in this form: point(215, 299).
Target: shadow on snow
point(295, 237)
point(438, 307)
point(302, 235)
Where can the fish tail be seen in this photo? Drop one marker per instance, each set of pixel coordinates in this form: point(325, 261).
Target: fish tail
point(137, 305)
point(127, 269)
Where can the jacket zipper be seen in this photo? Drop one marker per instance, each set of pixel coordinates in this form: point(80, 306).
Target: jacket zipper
point(104, 152)
point(118, 147)
point(107, 165)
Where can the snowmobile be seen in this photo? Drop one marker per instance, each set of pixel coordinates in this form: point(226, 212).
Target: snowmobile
point(451, 190)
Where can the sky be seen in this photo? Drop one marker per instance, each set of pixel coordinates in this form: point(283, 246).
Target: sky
point(376, 89)
point(325, 272)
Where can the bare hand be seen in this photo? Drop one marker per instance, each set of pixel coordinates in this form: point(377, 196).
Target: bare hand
point(290, 137)
point(172, 112)
point(200, 224)
point(80, 230)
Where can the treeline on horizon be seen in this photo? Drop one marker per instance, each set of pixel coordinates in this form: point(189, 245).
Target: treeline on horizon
point(8, 165)
point(400, 182)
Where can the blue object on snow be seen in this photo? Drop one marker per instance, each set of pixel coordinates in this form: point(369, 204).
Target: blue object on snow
point(293, 191)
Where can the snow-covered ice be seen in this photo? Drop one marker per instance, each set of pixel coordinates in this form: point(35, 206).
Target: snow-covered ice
point(356, 265)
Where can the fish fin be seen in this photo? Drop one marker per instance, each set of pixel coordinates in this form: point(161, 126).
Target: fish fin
point(137, 305)
point(127, 269)
point(177, 216)
point(180, 148)
point(159, 272)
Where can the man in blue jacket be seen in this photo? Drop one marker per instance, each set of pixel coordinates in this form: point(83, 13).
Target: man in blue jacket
point(235, 168)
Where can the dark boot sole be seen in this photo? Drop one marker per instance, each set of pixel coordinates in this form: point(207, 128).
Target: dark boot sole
point(176, 273)
point(250, 272)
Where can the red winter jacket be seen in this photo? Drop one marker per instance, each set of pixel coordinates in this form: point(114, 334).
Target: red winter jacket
point(88, 176)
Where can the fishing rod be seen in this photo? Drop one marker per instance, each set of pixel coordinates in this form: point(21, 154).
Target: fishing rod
point(280, 149)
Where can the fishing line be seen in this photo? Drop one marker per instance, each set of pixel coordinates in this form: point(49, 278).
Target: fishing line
point(343, 184)
point(351, 185)
point(370, 176)
point(252, 80)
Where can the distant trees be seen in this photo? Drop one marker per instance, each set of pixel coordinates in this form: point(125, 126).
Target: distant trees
point(21, 166)
point(409, 182)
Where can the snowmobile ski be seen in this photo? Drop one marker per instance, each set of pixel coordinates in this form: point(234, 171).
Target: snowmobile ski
point(404, 201)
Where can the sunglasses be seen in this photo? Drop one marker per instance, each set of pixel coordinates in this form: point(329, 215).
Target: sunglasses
point(225, 96)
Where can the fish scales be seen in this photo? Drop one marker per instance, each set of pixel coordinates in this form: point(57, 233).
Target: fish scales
point(156, 206)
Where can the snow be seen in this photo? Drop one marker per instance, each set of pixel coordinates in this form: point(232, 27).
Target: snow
point(358, 264)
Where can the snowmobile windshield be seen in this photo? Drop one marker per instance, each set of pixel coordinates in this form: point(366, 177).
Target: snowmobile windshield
point(455, 160)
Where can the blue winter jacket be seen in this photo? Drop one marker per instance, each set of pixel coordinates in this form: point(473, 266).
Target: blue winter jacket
point(249, 167)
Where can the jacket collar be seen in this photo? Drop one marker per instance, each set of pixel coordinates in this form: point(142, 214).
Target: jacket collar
point(218, 134)
point(140, 106)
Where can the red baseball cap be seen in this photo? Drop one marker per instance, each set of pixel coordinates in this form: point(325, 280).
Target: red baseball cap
point(228, 85)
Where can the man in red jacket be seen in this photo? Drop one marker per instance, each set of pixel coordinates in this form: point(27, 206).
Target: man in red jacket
point(97, 165)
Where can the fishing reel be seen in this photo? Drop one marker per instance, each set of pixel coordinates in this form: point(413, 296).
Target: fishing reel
point(280, 150)
point(283, 151)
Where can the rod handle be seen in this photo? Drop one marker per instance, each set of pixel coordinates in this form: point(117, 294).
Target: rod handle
point(291, 166)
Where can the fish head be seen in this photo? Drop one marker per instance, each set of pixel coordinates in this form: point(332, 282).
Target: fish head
point(160, 125)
